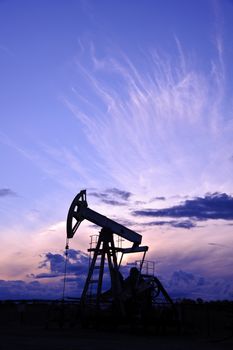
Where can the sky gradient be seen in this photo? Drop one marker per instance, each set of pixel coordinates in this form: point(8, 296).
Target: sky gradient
point(132, 101)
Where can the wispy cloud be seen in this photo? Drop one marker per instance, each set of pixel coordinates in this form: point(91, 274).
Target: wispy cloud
point(59, 163)
point(160, 126)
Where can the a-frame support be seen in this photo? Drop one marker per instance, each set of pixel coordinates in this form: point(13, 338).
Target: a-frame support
point(105, 249)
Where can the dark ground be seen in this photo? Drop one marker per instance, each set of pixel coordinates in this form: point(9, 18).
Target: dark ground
point(36, 326)
point(36, 338)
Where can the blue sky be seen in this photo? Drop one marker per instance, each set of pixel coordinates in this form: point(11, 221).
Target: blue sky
point(111, 96)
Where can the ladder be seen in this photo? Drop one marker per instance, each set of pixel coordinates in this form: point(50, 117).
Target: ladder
point(102, 252)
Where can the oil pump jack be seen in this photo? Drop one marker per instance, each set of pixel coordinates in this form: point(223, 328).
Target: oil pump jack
point(106, 251)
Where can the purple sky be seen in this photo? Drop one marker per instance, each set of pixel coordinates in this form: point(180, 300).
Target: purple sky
point(133, 101)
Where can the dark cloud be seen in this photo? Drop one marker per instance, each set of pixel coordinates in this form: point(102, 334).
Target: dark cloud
point(76, 269)
point(7, 192)
point(174, 223)
point(179, 283)
point(182, 276)
point(158, 199)
point(112, 196)
point(19, 289)
point(212, 206)
point(139, 202)
point(217, 244)
point(125, 222)
point(44, 275)
point(101, 195)
point(184, 284)
point(183, 224)
point(77, 263)
point(124, 195)
point(56, 262)
point(54, 268)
